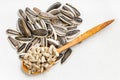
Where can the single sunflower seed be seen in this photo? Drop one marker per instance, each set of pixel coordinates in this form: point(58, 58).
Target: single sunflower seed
point(68, 8)
point(65, 19)
point(72, 33)
point(22, 14)
point(75, 10)
point(66, 55)
point(28, 10)
point(40, 32)
point(13, 32)
point(54, 6)
point(14, 42)
point(21, 48)
point(54, 11)
point(22, 38)
point(67, 13)
point(23, 28)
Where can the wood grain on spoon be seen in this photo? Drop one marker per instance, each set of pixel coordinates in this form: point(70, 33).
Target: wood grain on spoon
point(85, 35)
point(80, 38)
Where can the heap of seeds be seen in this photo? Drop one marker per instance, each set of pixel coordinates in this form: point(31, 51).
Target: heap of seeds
point(40, 33)
point(39, 59)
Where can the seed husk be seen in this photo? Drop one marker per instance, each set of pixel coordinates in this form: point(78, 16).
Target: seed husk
point(50, 32)
point(72, 33)
point(32, 43)
point(66, 55)
point(13, 32)
point(30, 19)
point(29, 45)
point(23, 28)
point(14, 42)
point(37, 25)
point(35, 40)
point(30, 26)
point(20, 49)
point(22, 14)
point(60, 30)
point(54, 6)
point(62, 40)
point(54, 11)
point(54, 32)
point(28, 10)
point(53, 42)
point(67, 13)
point(38, 11)
point(21, 56)
point(60, 56)
point(40, 32)
point(42, 23)
point(22, 38)
point(68, 8)
point(77, 20)
point(45, 15)
point(75, 10)
point(65, 19)
point(72, 28)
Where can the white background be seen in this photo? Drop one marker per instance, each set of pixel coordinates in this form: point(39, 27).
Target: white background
point(97, 58)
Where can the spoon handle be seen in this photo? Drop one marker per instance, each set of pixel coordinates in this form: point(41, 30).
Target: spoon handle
point(85, 35)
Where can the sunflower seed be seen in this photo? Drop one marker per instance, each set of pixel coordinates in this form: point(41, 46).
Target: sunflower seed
point(60, 30)
point(20, 49)
point(54, 32)
point(67, 13)
point(35, 40)
point(43, 59)
point(68, 8)
point(40, 32)
point(50, 33)
point(66, 55)
point(54, 11)
point(38, 11)
point(75, 10)
point(22, 14)
point(54, 6)
point(53, 42)
point(42, 23)
point(13, 32)
point(23, 28)
point(72, 33)
point(55, 21)
point(30, 26)
point(62, 40)
point(65, 19)
point(77, 20)
point(30, 19)
point(14, 42)
point(60, 56)
point(71, 28)
point(37, 25)
point(22, 38)
point(45, 15)
point(32, 43)
point(21, 56)
point(28, 47)
point(28, 10)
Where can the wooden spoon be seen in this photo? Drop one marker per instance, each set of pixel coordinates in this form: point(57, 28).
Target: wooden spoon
point(79, 39)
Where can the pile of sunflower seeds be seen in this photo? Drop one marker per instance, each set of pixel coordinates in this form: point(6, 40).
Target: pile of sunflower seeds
point(40, 33)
